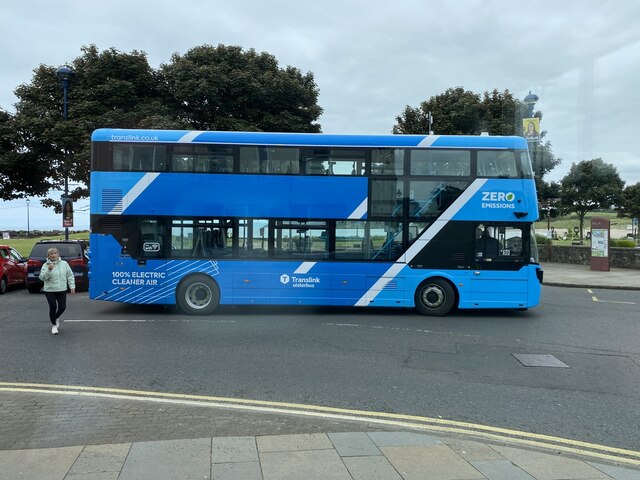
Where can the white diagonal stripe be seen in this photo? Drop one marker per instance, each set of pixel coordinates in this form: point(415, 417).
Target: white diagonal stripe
point(421, 242)
point(446, 216)
point(428, 140)
point(146, 180)
point(377, 287)
point(188, 138)
point(359, 212)
point(304, 267)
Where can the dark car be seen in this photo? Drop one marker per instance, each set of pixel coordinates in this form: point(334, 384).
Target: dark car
point(74, 252)
point(13, 268)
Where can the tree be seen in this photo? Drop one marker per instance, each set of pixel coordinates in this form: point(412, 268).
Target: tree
point(542, 159)
point(548, 198)
point(15, 174)
point(631, 201)
point(590, 185)
point(456, 112)
point(208, 88)
point(109, 89)
point(460, 112)
point(226, 88)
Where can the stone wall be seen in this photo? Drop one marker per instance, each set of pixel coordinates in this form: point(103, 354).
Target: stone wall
point(581, 255)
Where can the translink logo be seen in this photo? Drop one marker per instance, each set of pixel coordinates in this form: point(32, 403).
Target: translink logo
point(300, 282)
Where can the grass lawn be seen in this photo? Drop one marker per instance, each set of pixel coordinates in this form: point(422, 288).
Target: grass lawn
point(572, 220)
point(24, 245)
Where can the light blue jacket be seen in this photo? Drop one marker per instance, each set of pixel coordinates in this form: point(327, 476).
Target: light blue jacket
point(56, 280)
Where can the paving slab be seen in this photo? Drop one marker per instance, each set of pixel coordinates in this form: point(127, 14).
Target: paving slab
point(356, 444)
point(101, 459)
point(234, 449)
point(169, 460)
point(280, 443)
point(544, 466)
point(371, 468)
point(390, 439)
point(501, 470)
point(93, 476)
point(43, 464)
point(471, 450)
point(307, 465)
point(435, 462)
point(237, 471)
point(618, 473)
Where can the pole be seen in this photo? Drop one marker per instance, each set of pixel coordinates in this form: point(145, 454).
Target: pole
point(65, 85)
point(28, 229)
point(65, 74)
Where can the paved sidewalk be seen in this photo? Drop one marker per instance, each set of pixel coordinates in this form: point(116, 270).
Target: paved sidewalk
point(332, 456)
point(569, 275)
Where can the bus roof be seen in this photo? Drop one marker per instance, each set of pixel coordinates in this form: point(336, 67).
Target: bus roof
point(305, 139)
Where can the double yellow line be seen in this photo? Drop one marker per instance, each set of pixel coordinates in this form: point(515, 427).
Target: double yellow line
point(536, 440)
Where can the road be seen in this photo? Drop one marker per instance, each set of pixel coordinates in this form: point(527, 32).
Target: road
point(460, 367)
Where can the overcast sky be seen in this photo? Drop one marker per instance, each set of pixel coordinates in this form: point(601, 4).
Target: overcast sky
point(371, 59)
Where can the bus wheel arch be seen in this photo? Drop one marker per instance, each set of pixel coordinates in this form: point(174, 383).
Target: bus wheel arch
point(198, 294)
point(435, 297)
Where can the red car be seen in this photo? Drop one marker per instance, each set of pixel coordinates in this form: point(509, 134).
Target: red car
point(13, 268)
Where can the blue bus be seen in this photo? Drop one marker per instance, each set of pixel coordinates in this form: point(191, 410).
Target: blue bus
point(198, 219)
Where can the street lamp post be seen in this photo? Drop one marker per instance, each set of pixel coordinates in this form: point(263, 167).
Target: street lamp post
point(65, 74)
point(530, 101)
point(28, 229)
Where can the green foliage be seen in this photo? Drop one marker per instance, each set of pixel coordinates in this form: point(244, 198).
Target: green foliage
point(542, 240)
point(542, 159)
point(109, 89)
point(590, 185)
point(622, 243)
point(226, 88)
point(462, 112)
point(631, 201)
point(207, 88)
point(456, 112)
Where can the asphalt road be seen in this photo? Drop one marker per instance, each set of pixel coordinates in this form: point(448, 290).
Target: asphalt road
point(460, 367)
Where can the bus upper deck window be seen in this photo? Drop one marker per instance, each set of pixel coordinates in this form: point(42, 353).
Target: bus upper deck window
point(497, 164)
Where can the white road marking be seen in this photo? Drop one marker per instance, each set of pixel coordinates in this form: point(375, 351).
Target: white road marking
point(400, 329)
point(143, 320)
point(595, 299)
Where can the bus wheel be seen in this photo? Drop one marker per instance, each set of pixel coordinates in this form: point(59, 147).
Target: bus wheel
point(198, 295)
point(435, 297)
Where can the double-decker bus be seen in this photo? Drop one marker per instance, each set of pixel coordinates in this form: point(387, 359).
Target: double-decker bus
point(200, 219)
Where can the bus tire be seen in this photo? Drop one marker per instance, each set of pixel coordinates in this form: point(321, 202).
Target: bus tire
point(435, 297)
point(198, 295)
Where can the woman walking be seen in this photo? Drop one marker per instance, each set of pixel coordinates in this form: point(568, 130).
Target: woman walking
point(56, 275)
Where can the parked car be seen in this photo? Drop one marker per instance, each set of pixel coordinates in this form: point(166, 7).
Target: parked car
point(13, 268)
point(74, 252)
